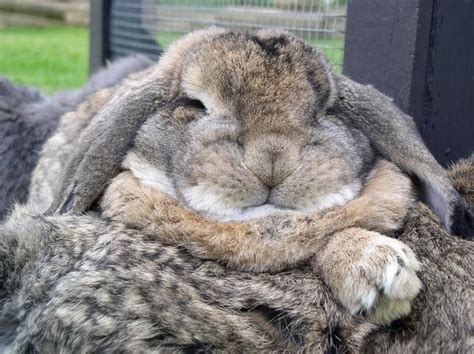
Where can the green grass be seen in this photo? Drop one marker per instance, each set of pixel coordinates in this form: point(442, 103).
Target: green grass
point(164, 39)
point(54, 59)
point(51, 59)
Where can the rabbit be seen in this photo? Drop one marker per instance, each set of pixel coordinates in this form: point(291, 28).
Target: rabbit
point(27, 120)
point(115, 240)
point(251, 81)
point(216, 162)
point(226, 139)
point(387, 215)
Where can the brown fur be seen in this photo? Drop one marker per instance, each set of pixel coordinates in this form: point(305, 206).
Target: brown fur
point(276, 243)
point(243, 145)
point(129, 201)
point(462, 173)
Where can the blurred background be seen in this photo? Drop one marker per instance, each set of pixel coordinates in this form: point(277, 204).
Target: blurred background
point(45, 43)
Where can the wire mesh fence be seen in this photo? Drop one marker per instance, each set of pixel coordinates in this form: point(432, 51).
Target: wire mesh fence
point(137, 25)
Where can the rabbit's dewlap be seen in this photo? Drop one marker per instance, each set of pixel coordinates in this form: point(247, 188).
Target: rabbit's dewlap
point(245, 132)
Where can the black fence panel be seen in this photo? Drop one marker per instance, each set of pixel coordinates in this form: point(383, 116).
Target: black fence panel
point(99, 34)
point(421, 53)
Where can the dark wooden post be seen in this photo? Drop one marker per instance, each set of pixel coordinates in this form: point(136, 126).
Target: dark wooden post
point(421, 53)
point(98, 38)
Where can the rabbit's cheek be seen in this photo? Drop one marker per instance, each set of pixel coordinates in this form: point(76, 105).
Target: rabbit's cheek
point(320, 183)
point(216, 182)
point(149, 174)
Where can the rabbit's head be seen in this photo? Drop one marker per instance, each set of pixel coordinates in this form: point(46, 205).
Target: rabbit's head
point(242, 127)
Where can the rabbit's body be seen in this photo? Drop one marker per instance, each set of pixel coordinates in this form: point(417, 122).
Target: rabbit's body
point(83, 284)
point(251, 152)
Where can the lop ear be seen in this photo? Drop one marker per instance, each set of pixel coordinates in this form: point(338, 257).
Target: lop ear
point(105, 142)
point(103, 145)
point(394, 135)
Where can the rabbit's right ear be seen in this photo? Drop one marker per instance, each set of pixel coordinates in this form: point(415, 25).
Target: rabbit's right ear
point(103, 145)
point(394, 135)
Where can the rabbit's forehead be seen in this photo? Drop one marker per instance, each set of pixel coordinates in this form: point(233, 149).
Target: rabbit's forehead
point(244, 71)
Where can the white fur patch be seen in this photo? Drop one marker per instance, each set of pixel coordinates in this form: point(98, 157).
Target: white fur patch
point(368, 300)
point(402, 250)
point(258, 212)
point(398, 280)
point(339, 198)
point(148, 174)
point(388, 277)
point(201, 198)
point(395, 280)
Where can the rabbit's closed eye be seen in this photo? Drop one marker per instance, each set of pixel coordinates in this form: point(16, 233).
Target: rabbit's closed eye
point(191, 103)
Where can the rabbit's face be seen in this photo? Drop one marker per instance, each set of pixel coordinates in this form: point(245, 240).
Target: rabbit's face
point(246, 131)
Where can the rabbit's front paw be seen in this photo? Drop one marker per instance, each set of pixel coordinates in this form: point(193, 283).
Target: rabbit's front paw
point(384, 280)
point(373, 275)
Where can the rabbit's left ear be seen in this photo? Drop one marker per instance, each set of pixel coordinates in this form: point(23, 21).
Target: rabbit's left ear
point(102, 147)
point(394, 135)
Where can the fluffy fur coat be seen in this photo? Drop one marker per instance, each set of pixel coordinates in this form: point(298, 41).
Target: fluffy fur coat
point(79, 283)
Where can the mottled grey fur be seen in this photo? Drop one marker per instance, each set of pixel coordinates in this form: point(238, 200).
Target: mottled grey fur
point(27, 120)
point(82, 284)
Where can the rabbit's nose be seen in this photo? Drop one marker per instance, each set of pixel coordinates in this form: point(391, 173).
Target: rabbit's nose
point(272, 159)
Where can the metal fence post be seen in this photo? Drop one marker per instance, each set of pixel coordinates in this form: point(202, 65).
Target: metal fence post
point(421, 53)
point(98, 38)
